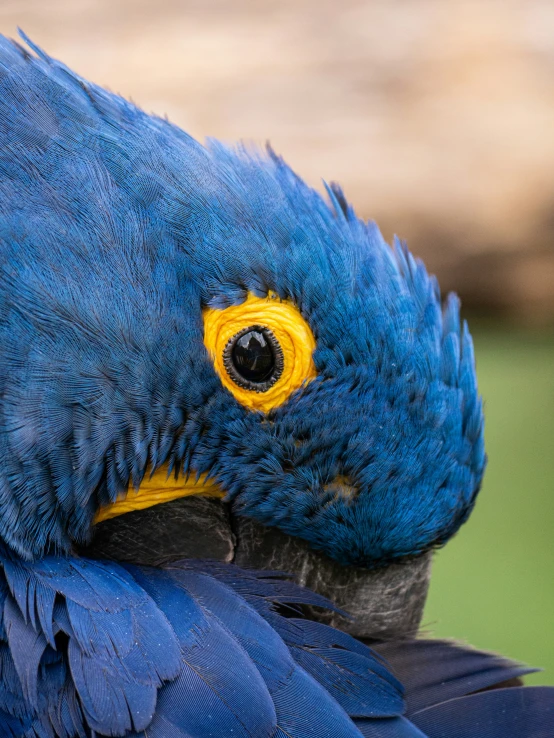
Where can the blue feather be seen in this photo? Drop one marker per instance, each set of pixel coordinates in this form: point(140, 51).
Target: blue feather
point(518, 712)
point(288, 684)
point(114, 670)
point(200, 649)
point(349, 670)
point(120, 646)
point(216, 673)
point(397, 727)
point(434, 671)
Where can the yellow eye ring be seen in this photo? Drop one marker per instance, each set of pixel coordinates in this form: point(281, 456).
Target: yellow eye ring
point(282, 323)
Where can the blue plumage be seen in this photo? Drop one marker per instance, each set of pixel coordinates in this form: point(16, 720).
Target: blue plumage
point(201, 650)
point(516, 712)
point(120, 647)
point(116, 231)
point(174, 651)
point(116, 228)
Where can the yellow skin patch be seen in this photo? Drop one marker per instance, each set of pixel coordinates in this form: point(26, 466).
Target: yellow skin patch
point(289, 328)
point(156, 489)
point(297, 344)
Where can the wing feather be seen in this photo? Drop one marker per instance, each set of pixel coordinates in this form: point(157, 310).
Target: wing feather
point(434, 671)
point(517, 712)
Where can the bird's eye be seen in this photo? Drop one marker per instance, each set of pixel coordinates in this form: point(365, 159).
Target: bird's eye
point(253, 358)
point(261, 349)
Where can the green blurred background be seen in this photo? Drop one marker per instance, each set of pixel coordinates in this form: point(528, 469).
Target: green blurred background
point(438, 119)
point(493, 585)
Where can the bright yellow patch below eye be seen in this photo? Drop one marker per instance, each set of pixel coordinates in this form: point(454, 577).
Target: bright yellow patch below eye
point(291, 332)
point(156, 489)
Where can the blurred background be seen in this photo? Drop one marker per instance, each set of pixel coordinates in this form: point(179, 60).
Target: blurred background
point(438, 120)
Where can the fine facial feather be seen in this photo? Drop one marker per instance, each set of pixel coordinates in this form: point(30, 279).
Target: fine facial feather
point(116, 230)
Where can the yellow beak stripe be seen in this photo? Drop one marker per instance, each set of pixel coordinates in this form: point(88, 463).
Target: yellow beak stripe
point(157, 489)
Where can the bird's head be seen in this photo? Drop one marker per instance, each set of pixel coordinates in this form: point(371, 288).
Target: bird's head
point(169, 306)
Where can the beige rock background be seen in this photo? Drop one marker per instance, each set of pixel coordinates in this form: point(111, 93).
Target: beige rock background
point(437, 117)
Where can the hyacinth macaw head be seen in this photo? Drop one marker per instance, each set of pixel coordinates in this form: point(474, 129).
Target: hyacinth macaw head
point(172, 307)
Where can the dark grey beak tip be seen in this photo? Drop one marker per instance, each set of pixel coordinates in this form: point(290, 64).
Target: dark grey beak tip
point(383, 603)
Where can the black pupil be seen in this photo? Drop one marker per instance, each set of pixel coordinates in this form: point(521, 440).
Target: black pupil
point(253, 357)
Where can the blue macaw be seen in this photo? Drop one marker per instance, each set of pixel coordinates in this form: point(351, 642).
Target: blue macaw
point(208, 371)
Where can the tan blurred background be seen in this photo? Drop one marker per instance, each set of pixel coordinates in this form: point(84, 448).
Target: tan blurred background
point(437, 117)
